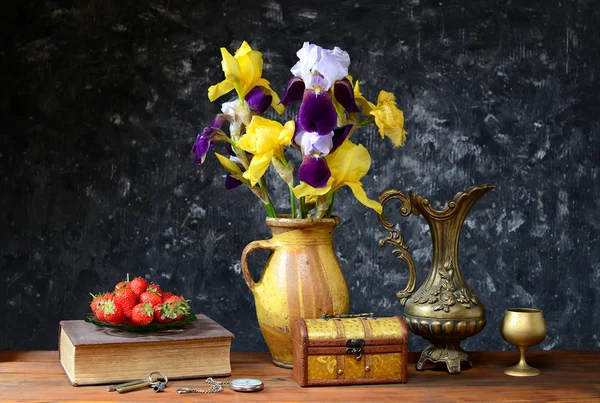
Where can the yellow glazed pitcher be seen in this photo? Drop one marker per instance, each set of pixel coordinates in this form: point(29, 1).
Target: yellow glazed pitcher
point(302, 278)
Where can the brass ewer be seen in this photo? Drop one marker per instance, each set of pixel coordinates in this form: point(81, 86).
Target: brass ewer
point(444, 310)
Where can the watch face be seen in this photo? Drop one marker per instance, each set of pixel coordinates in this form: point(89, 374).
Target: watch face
point(246, 385)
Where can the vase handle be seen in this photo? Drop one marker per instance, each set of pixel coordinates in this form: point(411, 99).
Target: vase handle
point(394, 237)
point(251, 247)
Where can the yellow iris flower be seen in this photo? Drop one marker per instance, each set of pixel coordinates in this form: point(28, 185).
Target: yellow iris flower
point(366, 106)
point(265, 139)
point(389, 119)
point(348, 164)
point(243, 72)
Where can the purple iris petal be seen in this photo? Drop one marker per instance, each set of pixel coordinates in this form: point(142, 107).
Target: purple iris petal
point(293, 91)
point(229, 149)
point(339, 136)
point(219, 121)
point(297, 131)
point(258, 101)
point(317, 113)
point(204, 141)
point(314, 171)
point(201, 146)
point(231, 182)
point(344, 94)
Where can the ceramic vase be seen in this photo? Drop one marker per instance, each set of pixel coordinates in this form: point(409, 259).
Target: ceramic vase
point(302, 278)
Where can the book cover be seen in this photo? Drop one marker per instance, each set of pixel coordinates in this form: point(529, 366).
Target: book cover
point(92, 355)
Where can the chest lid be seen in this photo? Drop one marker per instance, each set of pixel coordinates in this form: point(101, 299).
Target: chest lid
point(350, 332)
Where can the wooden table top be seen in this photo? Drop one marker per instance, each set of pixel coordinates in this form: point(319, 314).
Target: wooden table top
point(568, 376)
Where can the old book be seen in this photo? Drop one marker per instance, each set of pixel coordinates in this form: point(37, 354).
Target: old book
point(92, 355)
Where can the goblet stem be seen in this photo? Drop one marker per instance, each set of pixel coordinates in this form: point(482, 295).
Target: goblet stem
point(522, 363)
point(522, 368)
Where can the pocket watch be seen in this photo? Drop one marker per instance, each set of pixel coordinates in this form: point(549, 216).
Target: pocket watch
point(246, 385)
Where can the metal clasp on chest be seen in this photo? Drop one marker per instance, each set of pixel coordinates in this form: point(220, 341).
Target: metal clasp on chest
point(355, 346)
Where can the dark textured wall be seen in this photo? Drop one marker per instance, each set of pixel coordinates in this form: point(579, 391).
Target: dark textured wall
point(101, 100)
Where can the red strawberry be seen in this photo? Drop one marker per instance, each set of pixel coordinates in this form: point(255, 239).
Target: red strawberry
point(96, 300)
point(138, 285)
point(180, 307)
point(163, 313)
point(175, 298)
point(142, 314)
point(113, 313)
point(166, 295)
point(155, 288)
point(152, 297)
point(98, 305)
point(126, 298)
point(122, 284)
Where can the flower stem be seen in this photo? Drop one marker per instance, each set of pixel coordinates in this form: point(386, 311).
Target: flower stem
point(302, 207)
point(330, 209)
point(270, 210)
point(366, 122)
point(293, 202)
point(269, 205)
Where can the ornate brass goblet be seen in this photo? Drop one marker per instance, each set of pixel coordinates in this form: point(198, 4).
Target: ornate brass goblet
point(524, 328)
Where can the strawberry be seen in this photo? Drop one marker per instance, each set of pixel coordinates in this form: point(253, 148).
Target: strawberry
point(126, 298)
point(113, 313)
point(166, 295)
point(95, 301)
point(97, 305)
point(122, 284)
point(175, 298)
point(142, 314)
point(138, 285)
point(180, 307)
point(155, 288)
point(150, 296)
point(163, 313)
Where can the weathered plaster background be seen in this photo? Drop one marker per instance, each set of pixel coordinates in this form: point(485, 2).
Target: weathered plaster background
point(101, 100)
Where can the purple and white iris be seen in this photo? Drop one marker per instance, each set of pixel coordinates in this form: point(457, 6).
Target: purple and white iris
point(230, 181)
point(258, 102)
point(208, 137)
point(315, 147)
point(319, 75)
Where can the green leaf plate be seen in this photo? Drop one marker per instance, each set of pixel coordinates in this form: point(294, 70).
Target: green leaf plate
point(190, 317)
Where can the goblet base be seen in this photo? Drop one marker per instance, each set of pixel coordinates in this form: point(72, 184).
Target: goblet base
point(522, 370)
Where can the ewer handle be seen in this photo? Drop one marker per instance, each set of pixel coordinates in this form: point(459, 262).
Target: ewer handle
point(394, 237)
point(252, 246)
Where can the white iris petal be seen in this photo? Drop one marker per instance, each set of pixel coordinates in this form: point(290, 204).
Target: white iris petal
point(307, 58)
point(328, 65)
point(312, 143)
point(231, 109)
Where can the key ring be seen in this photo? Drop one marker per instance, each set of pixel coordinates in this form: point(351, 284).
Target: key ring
point(166, 380)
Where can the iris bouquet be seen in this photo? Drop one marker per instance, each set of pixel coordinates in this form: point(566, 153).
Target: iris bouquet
point(332, 107)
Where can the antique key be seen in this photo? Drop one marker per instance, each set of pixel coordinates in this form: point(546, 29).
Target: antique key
point(151, 381)
point(112, 388)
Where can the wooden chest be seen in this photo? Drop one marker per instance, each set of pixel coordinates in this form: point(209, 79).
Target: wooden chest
point(350, 351)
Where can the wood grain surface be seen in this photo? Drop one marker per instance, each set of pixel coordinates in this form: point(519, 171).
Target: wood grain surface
point(568, 376)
